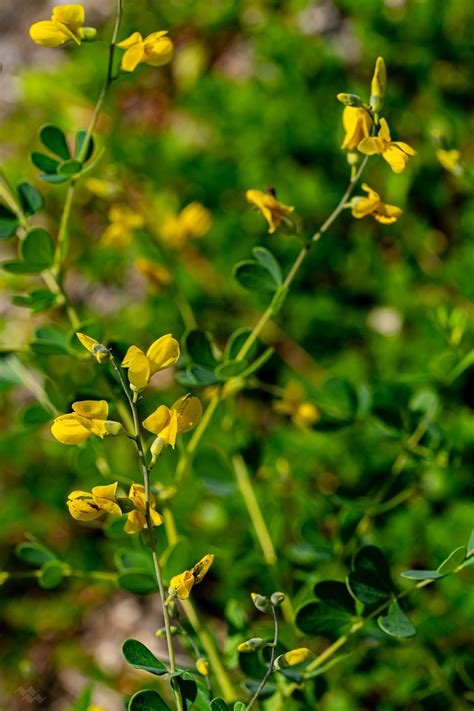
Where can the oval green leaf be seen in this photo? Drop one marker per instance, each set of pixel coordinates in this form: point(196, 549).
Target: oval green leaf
point(54, 140)
point(140, 657)
point(395, 623)
point(147, 700)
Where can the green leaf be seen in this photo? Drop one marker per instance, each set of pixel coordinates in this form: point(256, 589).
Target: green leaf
point(235, 343)
point(395, 623)
point(370, 580)
point(126, 559)
point(470, 545)
point(54, 140)
point(51, 574)
point(421, 574)
point(70, 167)
point(34, 553)
point(231, 368)
point(188, 688)
point(140, 657)
point(8, 221)
point(337, 399)
point(219, 705)
point(198, 346)
point(80, 136)
point(38, 248)
point(57, 179)
point(139, 582)
point(321, 618)
point(239, 706)
point(30, 198)
point(44, 163)
point(49, 341)
point(268, 262)
point(336, 594)
point(197, 377)
point(453, 561)
point(267, 691)
point(253, 277)
point(36, 415)
point(147, 700)
point(37, 300)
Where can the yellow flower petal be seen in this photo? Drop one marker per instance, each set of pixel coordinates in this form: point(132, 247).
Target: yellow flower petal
point(71, 15)
point(71, 429)
point(201, 567)
point(189, 410)
point(135, 38)
point(387, 214)
point(92, 409)
point(137, 496)
point(370, 146)
point(84, 509)
point(181, 585)
point(132, 57)
point(156, 518)
point(163, 352)
point(104, 497)
point(273, 211)
point(396, 159)
point(384, 132)
point(195, 219)
point(49, 34)
point(88, 342)
point(158, 49)
point(357, 123)
point(138, 367)
point(404, 147)
point(136, 521)
point(298, 656)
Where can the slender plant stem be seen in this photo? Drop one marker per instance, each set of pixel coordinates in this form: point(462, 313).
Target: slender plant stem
point(151, 530)
point(270, 663)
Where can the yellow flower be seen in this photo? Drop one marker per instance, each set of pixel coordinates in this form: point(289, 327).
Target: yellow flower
point(167, 422)
point(378, 85)
point(202, 666)
point(161, 354)
point(293, 403)
point(273, 211)
point(89, 418)
point(194, 220)
point(295, 656)
point(99, 351)
point(123, 223)
point(85, 506)
point(182, 584)
point(357, 123)
point(396, 153)
point(156, 49)
point(450, 160)
point(66, 24)
point(156, 275)
point(136, 520)
point(373, 205)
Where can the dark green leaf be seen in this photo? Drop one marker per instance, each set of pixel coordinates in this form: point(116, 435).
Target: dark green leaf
point(147, 700)
point(188, 689)
point(321, 618)
point(37, 300)
point(337, 399)
point(54, 140)
point(235, 343)
point(34, 553)
point(70, 167)
point(139, 582)
point(51, 574)
point(396, 623)
point(8, 221)
point(231, 368)
point(140, 657)
point(336, 594)
point(30, 198)
point(370, 580)
point(267, 691)
point(44, 163)
point(197, 377)
point(253, 277)
point(36, 415)
point(38, 247)
point(49, 341)
point(268, 262)
point(80, 136)
point(453, 561)
point(57, 179)
point(219, 705)
point(198, 346)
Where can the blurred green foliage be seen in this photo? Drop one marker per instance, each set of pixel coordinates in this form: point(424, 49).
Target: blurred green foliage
point(376, 330)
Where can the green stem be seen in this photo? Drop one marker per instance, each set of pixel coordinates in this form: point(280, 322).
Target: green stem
point(270, 663)
point(151, 530)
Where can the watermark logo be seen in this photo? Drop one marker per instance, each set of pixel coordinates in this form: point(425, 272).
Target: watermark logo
point(31, 694)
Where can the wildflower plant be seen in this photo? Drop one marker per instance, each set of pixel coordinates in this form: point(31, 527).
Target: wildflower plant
point(313, 620)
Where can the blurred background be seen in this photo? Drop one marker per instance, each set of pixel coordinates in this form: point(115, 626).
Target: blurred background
point(376, 332)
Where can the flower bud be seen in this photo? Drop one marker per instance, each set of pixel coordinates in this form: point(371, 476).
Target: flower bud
point(378, 85)
point(161, 633)
point(101, 353)
point(113, 428)
point(202, 666)
point(261, 603)
point(350, 99)
point(352, 158)
point(251, 645)
point(293, 658)
point(88, 34)
point(156, 449)
point(277, 598)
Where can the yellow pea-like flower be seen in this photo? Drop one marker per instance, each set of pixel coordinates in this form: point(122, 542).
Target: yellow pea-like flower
point(161, 354)
point(66, 24)
point(98, 350)
point(87, 506)
point(357, 123)
point(373, 205)
point(378, 85)
point(193, 221)
point(123, 223)
point(136, 519)
point(203, 667)
point(181, 585)
point(156, 49)
point(89, 417)
point(273, 211)
point(296, 656)
point(168, 422)
point(396, 153)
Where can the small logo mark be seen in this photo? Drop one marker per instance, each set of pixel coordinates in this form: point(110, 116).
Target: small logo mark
point(30, 694)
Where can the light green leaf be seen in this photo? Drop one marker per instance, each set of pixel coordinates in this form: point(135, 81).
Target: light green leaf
point(395, 623)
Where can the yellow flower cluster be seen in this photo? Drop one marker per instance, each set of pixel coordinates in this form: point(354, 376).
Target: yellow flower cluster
point(88, 418)
point(181, 585)
point(156, 49)
point(162, 353)
point(373, 205)
point(193, 221)
point(123, 223)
